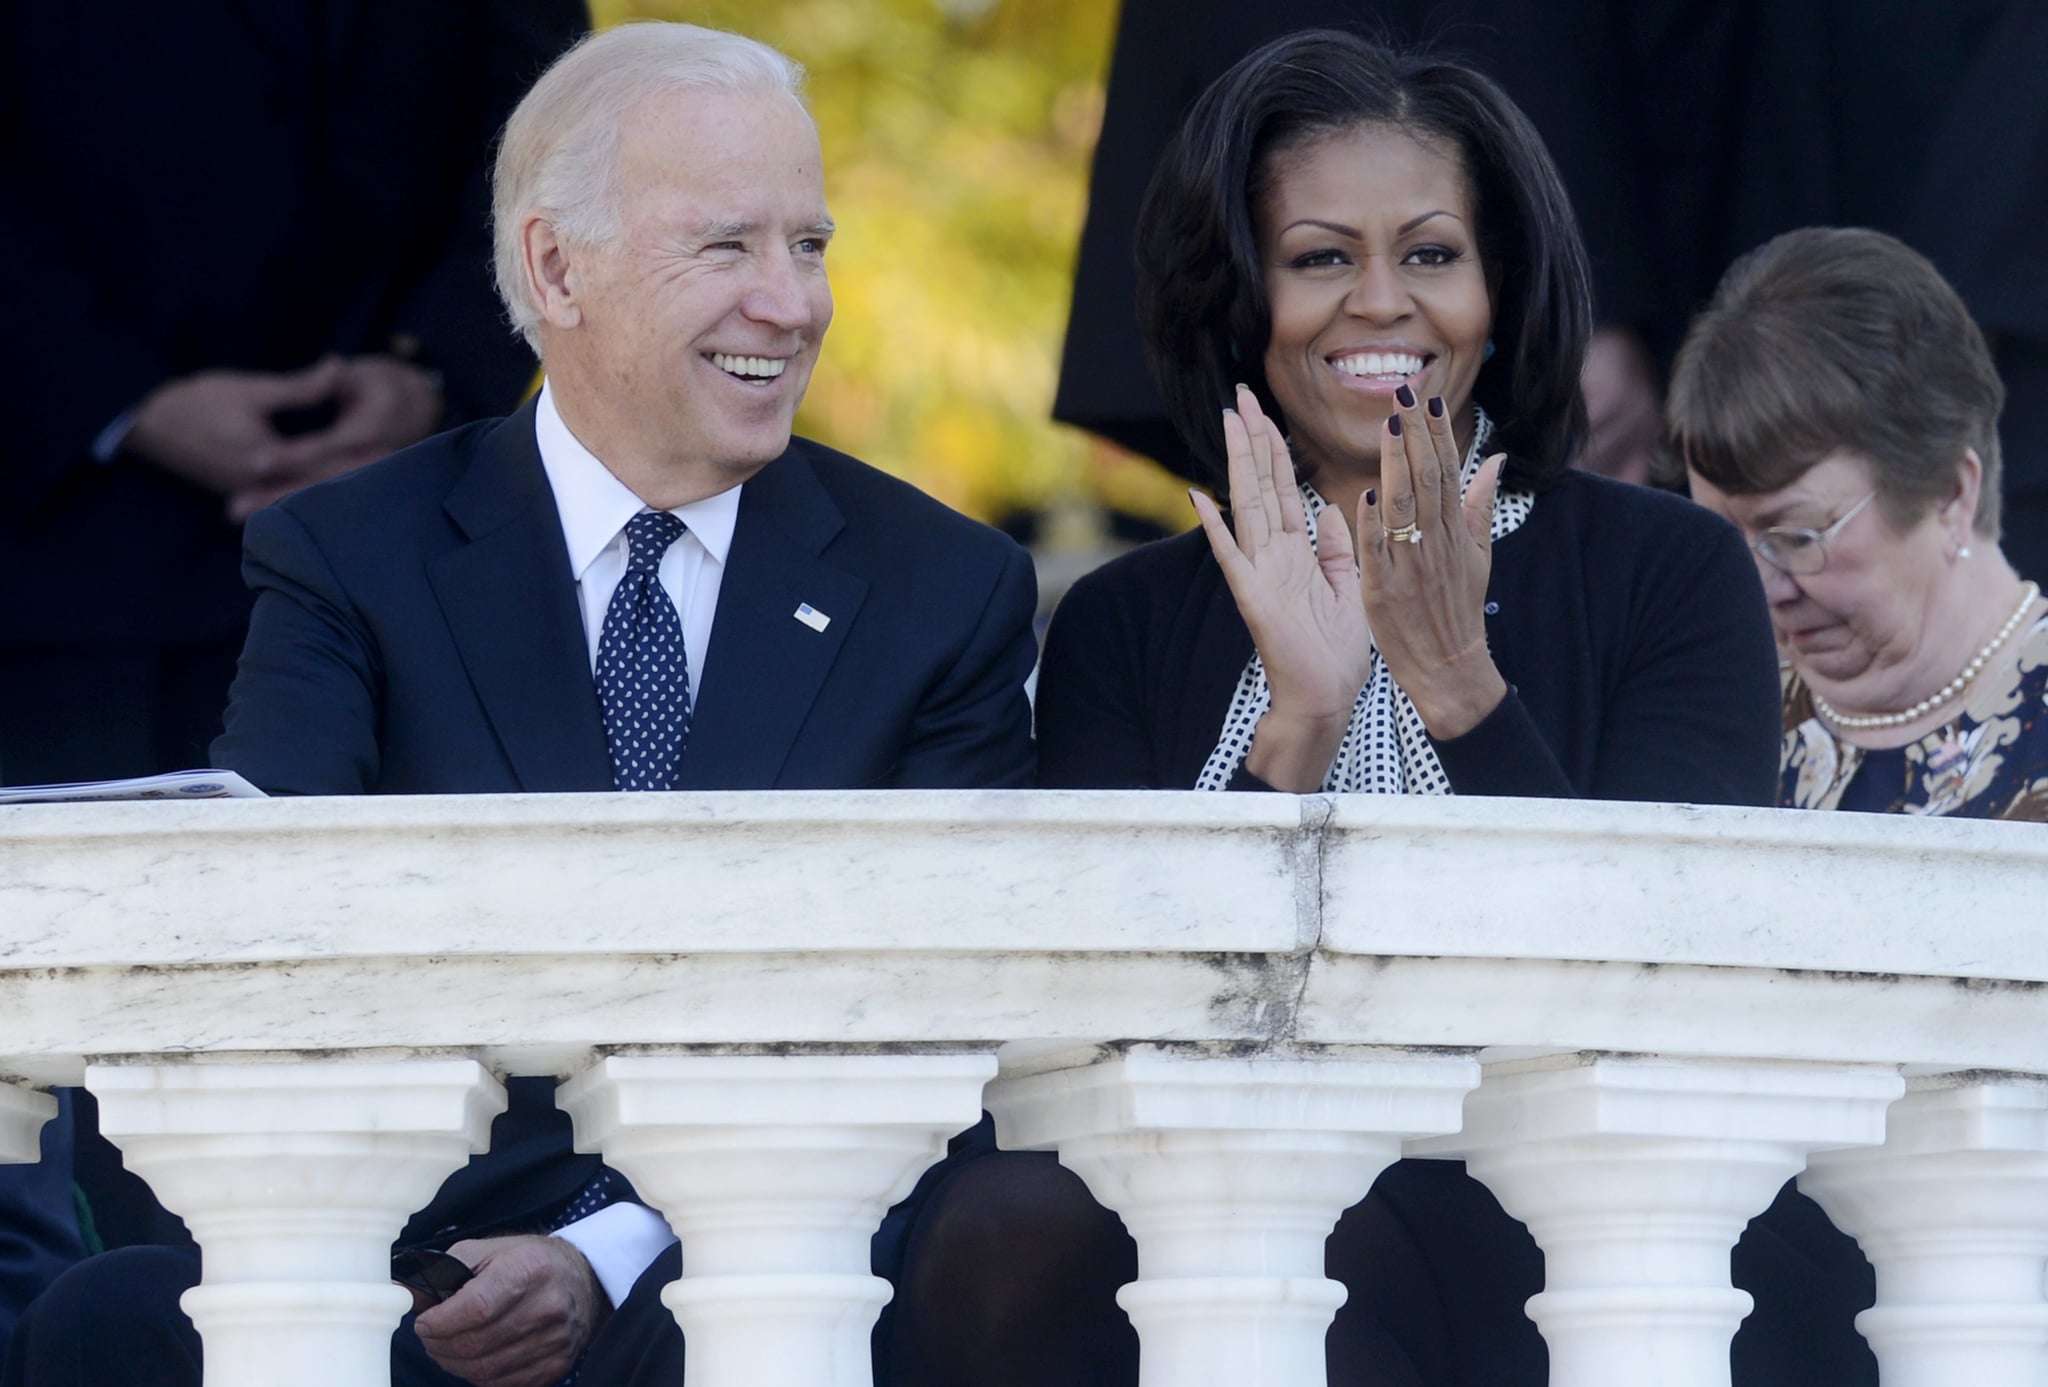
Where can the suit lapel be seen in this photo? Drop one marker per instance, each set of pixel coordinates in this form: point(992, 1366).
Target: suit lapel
point(765, 665)
point(510, 603)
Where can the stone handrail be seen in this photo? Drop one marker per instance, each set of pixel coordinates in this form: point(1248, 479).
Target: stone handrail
point(1633, 1022)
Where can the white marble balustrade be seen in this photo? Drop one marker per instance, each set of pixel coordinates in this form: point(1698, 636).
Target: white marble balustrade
point(1226, 1013)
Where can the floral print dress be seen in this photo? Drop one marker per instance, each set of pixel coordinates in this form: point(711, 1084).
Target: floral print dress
point(1991, 762)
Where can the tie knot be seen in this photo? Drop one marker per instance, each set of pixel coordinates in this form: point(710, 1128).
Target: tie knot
point(648, 536)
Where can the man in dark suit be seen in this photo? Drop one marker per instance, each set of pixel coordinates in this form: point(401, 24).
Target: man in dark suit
point(247, 246)
point(639, 581)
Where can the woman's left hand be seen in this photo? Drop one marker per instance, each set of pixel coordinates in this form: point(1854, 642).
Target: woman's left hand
point(1425, 587)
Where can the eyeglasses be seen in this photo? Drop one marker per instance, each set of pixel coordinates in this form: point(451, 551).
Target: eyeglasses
point(1800, 549)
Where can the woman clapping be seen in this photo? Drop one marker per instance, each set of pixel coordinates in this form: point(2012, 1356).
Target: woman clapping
point(1366, 303)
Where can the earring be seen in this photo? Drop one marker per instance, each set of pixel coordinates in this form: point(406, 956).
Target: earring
point(1964, 552)
point(1486, 354)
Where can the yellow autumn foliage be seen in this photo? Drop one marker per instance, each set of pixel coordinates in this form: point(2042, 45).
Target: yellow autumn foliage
point(957, 138)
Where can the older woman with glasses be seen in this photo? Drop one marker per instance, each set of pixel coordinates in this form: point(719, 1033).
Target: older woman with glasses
point(1838, 404)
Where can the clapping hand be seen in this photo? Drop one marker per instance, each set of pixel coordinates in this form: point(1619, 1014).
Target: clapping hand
point(1425, 555)
point(1301, 602)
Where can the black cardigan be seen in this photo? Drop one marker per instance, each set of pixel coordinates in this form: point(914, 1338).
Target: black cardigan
point(1629, 624)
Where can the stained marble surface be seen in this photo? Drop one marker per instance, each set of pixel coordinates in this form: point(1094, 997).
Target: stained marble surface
point(534, 930)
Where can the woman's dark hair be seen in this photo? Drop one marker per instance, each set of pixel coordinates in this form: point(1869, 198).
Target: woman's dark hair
point(1829, 338)
point(1201, 294)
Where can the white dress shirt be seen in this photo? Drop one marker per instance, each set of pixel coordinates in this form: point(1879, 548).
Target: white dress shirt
point(594, 507)
point(620, 1241)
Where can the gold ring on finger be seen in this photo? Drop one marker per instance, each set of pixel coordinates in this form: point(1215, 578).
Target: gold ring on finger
point(1405, 534)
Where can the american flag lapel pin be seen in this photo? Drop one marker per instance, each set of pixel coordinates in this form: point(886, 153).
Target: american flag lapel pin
point(812, 617)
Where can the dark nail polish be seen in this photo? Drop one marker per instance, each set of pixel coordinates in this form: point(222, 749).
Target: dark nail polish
point(1406, 397)
point(1394, 425)
point(1371, 496)
point(1436, 406)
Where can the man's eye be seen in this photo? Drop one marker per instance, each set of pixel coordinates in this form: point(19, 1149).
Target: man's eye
point(811, 245)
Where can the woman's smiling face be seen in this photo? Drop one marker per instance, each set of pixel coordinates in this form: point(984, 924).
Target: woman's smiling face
point(1370, 247)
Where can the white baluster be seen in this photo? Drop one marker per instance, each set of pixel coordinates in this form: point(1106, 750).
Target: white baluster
point(775, 1171)
point(1636, 1176)
point(23, 1111)
point(1230, 1174)
point(294, 1178)
point(1953, 1212)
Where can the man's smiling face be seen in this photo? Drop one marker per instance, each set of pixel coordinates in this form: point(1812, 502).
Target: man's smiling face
point(700, 324)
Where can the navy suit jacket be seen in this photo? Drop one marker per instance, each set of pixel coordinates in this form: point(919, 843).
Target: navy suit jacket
point(416, 630)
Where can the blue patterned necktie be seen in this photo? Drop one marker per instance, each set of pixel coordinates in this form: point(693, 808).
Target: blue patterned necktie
point(643, 673)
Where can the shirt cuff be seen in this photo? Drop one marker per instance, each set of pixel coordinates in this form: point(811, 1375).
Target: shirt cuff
point(107, 443)
point(619, 1241)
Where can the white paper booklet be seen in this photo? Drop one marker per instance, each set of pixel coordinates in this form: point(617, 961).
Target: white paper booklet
point(176, 785)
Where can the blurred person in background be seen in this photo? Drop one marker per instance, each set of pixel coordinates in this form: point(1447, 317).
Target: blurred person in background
point(249, 248)
point(1837, 402)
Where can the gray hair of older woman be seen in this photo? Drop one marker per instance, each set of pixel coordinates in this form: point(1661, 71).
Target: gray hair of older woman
point(1828, 339)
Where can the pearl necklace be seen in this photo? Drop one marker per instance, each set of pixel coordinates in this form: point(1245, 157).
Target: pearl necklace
point(1946, 692)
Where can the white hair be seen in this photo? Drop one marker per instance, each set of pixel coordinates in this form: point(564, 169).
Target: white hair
point(560, 151)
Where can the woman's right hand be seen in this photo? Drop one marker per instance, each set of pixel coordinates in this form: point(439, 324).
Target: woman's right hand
point(1300, 602)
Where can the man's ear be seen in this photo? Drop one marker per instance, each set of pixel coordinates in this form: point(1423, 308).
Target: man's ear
point(551, 277)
